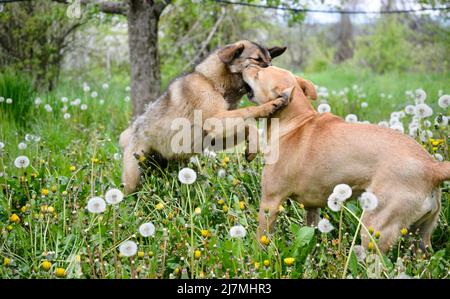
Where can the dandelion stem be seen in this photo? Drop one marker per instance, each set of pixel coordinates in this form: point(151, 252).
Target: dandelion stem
point(353, 244)
point(192, 231)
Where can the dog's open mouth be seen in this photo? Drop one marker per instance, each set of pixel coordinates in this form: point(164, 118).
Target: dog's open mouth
point(250, 94)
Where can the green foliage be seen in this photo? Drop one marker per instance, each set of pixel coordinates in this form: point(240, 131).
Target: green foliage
point(16, 86)
point(386, 49)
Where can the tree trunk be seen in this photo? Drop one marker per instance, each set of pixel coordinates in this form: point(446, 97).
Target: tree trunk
point(143, 17)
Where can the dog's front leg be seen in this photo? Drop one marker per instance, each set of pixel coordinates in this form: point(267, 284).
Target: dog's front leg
point(268, 211)
point(312, 217)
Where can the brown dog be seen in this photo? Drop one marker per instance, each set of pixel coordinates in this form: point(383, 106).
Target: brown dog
point(214, 88)
point(321, 151)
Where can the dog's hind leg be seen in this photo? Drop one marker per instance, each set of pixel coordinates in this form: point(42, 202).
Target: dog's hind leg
point(425, 226)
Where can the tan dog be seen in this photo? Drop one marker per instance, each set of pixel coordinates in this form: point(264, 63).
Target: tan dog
point(321, 151)
point(214, 88)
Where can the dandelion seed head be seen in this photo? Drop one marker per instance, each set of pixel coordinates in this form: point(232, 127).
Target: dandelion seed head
point(360, 253)
point(342, 191)
point(423, 110)
point(22, 162)
point(324, 108)
point(444, 101)
point(238, 232)
point(96, 205)
point(66, 115)
point(368, 201)
point(114, 196)
point(325, 226)
point(22, 145)
point(128, 248)
point(147, 229)
point(187, 176)
point(351, 118)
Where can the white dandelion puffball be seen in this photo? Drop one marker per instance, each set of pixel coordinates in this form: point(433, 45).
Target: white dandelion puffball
point(444, 101)
point(94, 94)
point(114, 196)
point(423, 110)
point(325, 226)
point(383, 124)
point(364, 105)
point(83, 107)
point(28, 137)
point(64, 99)
point(48, 108)
point(398, 127)
point(209, 153)
point(421, 95)
point(147, 229)
point(64, 109)
point(105, 86)
point(222, 173)
point(395, 115)
point(334, 203)
point(75, 102)
point(86, 88)
point(360, 253)
point(238, 232)
point(36, 138)
point(96, 205)
point(2, 99)
point(22, 162)
point(401, 114)
point(342, 191)
point(127, 88)
point(127, 99)
point(368, 201)
point(187, 176)
point(441, 121)
point(128, 248)
point(324, 108)
point(66, 115)
point(9, 101)
point(351, 118)
point(2, 145)
point(37, 101)
point(409, 109)
point(427, 123)
point(438, 157)
point(22, 145)
point(194, 160)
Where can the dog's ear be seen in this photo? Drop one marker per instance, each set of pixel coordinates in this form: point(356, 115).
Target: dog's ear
point(288, 94)
point(230, 52)
point(276, 51)
point(307, 87)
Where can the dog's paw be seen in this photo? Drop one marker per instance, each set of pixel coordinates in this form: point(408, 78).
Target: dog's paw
point(278, 104)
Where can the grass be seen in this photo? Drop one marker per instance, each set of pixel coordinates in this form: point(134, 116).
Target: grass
point(78, 158)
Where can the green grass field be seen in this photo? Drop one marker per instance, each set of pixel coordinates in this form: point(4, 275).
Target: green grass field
point(47, 232)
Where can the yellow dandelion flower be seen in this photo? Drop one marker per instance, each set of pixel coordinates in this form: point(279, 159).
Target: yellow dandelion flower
point(44, 208)
point(326, 216)
point(51, 209)
point(54, 189)
point(14, 218)
point(60, 272)
point(159, 206)
point(23, 209)
point(264, 240)
point(404, 231)
point(241, 205)
point(221, 201)
point(434, 149)
point(46, 265)
point(205, 233)
point(198, 211)
point(72, 168)
point(377, 234)
point(302, 206)
point(197, 254)
point(142, 158)
point(289, 261)
point(371, 230)
point(225, 208)
point(370, 246)
point(266, 263)
point(94, 160)
point(177, 270)
point(225, 159)
point(280, 208)
point(44, 192)
point(64, 192)
point(6, 261)
point(140, 254)
point(78, 258)
point(150, 253)
point(256, 265)
point(236, 182)
point(9, 227)
point(34, 174)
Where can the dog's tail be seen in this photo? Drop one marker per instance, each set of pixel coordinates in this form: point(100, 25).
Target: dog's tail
point(442, 171)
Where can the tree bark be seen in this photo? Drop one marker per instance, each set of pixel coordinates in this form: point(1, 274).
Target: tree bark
point(143, 17)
